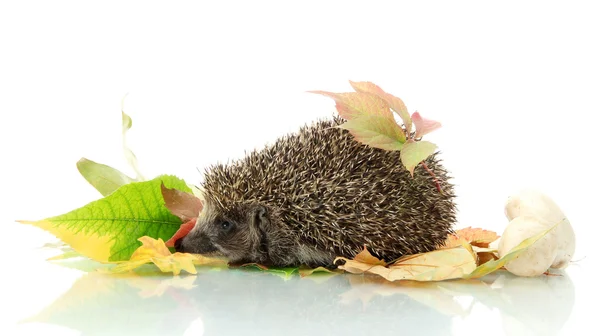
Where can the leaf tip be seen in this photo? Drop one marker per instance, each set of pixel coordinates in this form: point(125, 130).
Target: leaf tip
point(26, 222)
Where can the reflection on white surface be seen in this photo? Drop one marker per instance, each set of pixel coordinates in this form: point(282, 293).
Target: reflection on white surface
point(243, 302)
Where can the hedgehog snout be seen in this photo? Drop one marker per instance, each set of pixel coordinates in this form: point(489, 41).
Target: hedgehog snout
point(179, 245)
point(195, 242)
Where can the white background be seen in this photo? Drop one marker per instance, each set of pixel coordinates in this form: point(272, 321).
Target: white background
point(514, 83)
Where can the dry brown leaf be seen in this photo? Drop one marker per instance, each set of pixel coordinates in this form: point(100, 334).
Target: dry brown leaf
point(184, 205)
point(367, 258)
point(483, 257)
point(442, 264)
point(474, 236)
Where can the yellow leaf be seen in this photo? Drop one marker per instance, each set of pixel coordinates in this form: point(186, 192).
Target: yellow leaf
point(176, 262)
point(86, 242)
point(443, 264)
point(155, 251)
point(150, 248)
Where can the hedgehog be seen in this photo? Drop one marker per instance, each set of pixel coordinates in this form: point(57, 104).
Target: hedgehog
point(319, 194)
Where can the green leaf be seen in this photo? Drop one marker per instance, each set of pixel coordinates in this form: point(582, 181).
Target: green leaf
point(376, 131)
point(129, 156)
point(285, 273)
point(394, 102)
point(494, 265)
point(304, 272)
point(102, 177)
point(414, 152)
point(107, 230)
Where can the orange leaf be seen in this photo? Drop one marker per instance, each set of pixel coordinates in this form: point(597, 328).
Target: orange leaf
point(473, 236)
point(183, 230)
point(366, 257)
point(484, 257)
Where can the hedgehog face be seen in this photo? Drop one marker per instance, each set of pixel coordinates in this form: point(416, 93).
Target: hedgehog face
point(234, 233)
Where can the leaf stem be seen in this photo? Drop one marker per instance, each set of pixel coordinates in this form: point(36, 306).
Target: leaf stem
point(437, 183)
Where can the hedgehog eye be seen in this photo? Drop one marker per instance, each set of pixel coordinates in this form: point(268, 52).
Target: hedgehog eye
point(226, 226)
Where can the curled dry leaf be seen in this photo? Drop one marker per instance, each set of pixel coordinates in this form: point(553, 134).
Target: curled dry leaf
point(181, 204)
point(484, 257)
point(367, 258)
point(184, 205)
point(474, 236)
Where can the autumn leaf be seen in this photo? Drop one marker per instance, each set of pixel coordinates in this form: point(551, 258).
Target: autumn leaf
point(107, 229)
point(424, 126)
point(493, 265)
point(413, 152)
point(438, 265)
point(474, 236)
point(183, 231)
point(355, 104)
point(367, 258)
point(483, 257)
point(181, 204)
point(376, 131)
point(394, 102)
point(184, 205)
point(102, 177)
point(155, 251)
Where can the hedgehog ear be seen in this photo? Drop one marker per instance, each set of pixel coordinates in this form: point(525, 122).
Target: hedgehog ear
point(260, 217)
